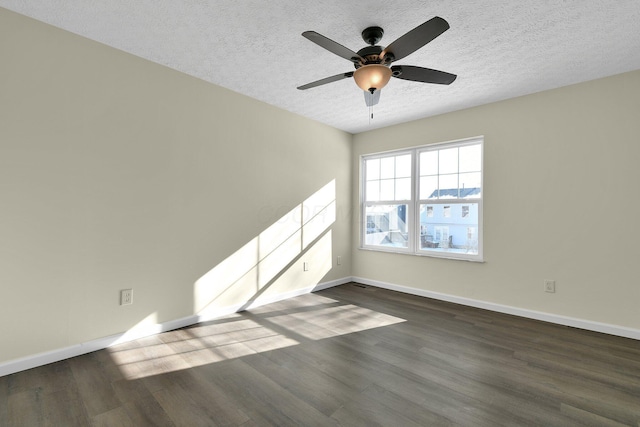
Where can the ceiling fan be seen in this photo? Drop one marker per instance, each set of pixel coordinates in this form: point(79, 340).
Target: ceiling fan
point(373, 62)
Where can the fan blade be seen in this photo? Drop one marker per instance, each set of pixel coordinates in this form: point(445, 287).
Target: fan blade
point(326, 80)
point(371, 99)
point(333, 47)
point(424, 75)
point(416, 38)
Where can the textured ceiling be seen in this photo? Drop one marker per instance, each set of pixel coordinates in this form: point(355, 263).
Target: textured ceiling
point(498, 48)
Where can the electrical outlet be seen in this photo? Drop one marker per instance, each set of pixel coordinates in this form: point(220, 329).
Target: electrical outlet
point(550, 286)
point(339, 261)
point(126, 297)
point(305, 266)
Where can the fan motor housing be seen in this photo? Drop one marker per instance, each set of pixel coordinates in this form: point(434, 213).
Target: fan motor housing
point(371, 55)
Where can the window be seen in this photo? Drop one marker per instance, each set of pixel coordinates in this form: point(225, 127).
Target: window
point(424, 201)
point(388, 187)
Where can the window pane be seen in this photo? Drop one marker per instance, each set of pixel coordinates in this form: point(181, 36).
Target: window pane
point(470, 158)
point(372, 191)
point(429, 163)
point(470, 185)
point(387, 189)
point(403, 166)
point(386, 226)
point(455, 234)
point(448, 160)
point(449, 186)
point(403, 189)
point(428, 187)
point(387, 167)
point(373, 169)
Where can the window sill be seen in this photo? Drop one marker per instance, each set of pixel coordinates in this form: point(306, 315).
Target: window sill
point(442, 255)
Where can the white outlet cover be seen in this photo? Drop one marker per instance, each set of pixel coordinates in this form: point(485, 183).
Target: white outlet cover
point(550, 286)
point(126, 297)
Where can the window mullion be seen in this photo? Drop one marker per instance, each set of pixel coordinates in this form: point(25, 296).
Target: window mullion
point(415, 188)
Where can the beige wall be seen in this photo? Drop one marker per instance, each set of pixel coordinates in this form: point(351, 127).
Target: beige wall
point(561, 176)
point(119, 173)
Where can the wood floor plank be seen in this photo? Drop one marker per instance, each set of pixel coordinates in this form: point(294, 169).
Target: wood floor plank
point(114, 417)
point(596, 372)
point(262, 399)
point(335, 361)
point(588, 418)
point(182, 410)
point(392, 408)
point(64, 408)
point(348, 355)
point(140, 405)
point(25, 409)
point(46, 395)
point(94, 384)
point(324, 393)
point(451, 386)
point(47, 378)
point(147, 412)
point(393, 352)
point(217, 401)
point(4, 400)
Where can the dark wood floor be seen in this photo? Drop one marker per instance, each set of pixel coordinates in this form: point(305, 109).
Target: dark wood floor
point(350, 355)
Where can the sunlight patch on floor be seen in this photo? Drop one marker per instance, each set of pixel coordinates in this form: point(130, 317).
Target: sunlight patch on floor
point(276, 326)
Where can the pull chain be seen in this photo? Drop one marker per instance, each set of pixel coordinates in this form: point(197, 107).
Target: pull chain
point(371, 91)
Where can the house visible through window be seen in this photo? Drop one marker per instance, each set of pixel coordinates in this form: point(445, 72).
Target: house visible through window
point(426, 200)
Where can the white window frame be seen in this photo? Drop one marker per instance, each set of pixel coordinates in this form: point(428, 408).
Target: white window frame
point(408, 202)
point(413, 205)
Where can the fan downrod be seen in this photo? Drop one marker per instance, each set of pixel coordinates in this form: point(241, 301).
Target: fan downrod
point(372, 35)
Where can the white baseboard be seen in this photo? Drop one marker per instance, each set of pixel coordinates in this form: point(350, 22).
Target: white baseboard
point(40, 359)
point(45, 358)
point(531, 314)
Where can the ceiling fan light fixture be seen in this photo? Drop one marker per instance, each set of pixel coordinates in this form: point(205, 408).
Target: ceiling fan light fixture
point(372, 76)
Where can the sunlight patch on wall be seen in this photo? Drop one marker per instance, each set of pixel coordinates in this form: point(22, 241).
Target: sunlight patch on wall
point(318, 224)
point(147, 326)
point(319, 258)
point(271, 262)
